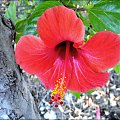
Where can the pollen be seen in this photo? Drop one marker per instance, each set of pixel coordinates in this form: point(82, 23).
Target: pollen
point(59, 91)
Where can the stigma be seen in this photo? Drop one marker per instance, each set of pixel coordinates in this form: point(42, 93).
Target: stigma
point(60, 88)
point(58, 92)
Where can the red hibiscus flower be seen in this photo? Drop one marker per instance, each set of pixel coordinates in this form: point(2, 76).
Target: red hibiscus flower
point(61, 59)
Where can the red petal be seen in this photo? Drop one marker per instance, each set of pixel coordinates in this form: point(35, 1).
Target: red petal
point(33, 56)
point(102, 51)
point(79, 76)
point(50, 76)
point(59, 24)
point(83, 78)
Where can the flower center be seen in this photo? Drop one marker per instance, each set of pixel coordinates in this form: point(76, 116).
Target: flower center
point(61, 84)
point(62, 47)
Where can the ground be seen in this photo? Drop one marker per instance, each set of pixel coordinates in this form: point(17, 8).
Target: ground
point(106, 99)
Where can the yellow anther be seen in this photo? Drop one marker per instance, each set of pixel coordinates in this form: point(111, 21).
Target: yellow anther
point(59, 90)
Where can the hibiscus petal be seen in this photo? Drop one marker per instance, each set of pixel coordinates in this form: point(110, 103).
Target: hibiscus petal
point(59, 24)
point(50, 76)
point(33, 56)
point(83, 78)
point(102, 51)
point(79, 76)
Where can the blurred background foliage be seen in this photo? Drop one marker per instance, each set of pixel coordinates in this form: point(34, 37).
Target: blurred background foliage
point(97, 15)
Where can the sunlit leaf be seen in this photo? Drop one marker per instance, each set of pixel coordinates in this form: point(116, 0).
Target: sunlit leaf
point(76, 94)
point(90, 91)
point(11, 12)
point(117, 68)
point(105, 15)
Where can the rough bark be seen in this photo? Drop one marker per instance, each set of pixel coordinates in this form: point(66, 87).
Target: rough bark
point(16, 101)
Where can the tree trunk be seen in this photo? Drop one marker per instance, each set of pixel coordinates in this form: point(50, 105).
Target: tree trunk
point(16, 101)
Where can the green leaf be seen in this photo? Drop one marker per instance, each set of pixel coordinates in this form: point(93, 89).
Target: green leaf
point(68, 3)
point(105, 15)
point(11, 12)
point(20, 24)
point(96, 1)
point(38, 1)
point(81, 2)
point(20, 27)
point(90, 91)
point(28, 26)
point(40, 9)
point(117, 68)
point(26, 2)
point(76, 94)
point(89, 6)
point(84, 19)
